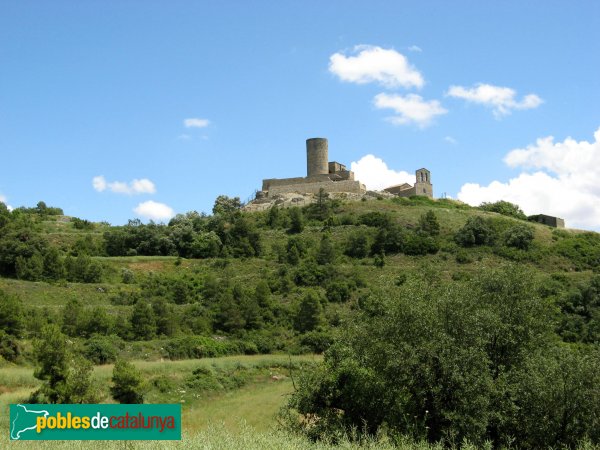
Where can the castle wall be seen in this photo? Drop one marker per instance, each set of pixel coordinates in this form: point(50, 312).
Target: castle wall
point(313, 187)
point(273, 182)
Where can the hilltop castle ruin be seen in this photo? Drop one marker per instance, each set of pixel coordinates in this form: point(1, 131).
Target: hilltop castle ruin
point(333, 177)
point(330, 176)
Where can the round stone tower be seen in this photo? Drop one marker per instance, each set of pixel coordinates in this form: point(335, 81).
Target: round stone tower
point(317, 157)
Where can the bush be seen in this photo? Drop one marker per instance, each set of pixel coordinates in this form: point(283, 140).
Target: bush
point(429, 224)
point(462, 257)
point(296, 220)
point(475, 362)
point(10, 349)
point(389, 240)
point(357, 245)
point(82, 224)
point(200, 347)
point(504, 208)
point(128, 384)
point(309, 314)
point(317, 341)
point(519, 236)
point(11, 314)
point(102, 349)
point(419, 243)
point(477, 231)
point(375, 219)
point(66, 378)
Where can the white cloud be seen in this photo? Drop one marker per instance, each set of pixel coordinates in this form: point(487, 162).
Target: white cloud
point(376, 175)
point(196, 123)
point(450, 140)
point(184, 137)
point(564, 182)
point(502, 100)
point(410, 108)
point(142, 186)
point(368, 64)
point(154, 210)
point(415, 48)
point(4, 200)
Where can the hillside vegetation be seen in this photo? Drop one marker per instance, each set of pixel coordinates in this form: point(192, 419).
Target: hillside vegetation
point(410, 299)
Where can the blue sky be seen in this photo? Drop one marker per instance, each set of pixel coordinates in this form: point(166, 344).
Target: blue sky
point(94, 98)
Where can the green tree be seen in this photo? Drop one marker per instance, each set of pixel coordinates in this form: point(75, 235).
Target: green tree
point(295, 250)
point(504, 208)
point(10, 349)
point(30, 268)
point(225, 205)
point(206, 245)
point(475, 360)
point(53, 266)
point(143, 321)
point(66, 377)
point(11, 314)
point(518, 236)
point(128, 384)
point(428, 223)
point(309, 315)
point(357, 245)
point(477, 231)
point(296, 220)
point(166, 321)
point(73, 318)
point(326, 251)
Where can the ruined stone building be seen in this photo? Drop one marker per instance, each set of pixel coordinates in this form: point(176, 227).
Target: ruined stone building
point(551, 221)
point(321, 173)
point(422, 186)
point(333, 177)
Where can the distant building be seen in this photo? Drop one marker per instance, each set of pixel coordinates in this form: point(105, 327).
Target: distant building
point(551, 221)
point(422, 186)
point(331, 176)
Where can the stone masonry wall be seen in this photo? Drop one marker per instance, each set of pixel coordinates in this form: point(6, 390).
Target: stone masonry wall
point(313, 188)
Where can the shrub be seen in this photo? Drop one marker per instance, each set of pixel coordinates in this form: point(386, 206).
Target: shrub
point(127, 276)
point(309, 314)
point(519, 236)
point(375, 219)
point(102, 349)
point(296, 220)
point(10, 349)
point(338, 291)
point(389, 240)
point(357, 245)
point(326, 251)
point(462, 257)
point(128, 384)
point(429, 224)
point(317, 341)
point(200, 347)
point(419, 243)
point(504, 208)
point(66, 377)
point(475, 362)
point(477, 231)
point(11, 314)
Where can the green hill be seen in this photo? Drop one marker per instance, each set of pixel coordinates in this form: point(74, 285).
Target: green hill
point(288, 281)
point(245, 276)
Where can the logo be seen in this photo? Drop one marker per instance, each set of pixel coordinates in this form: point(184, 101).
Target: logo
point(95, 422)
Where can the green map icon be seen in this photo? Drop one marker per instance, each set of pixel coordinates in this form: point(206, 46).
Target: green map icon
point(23, 420)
